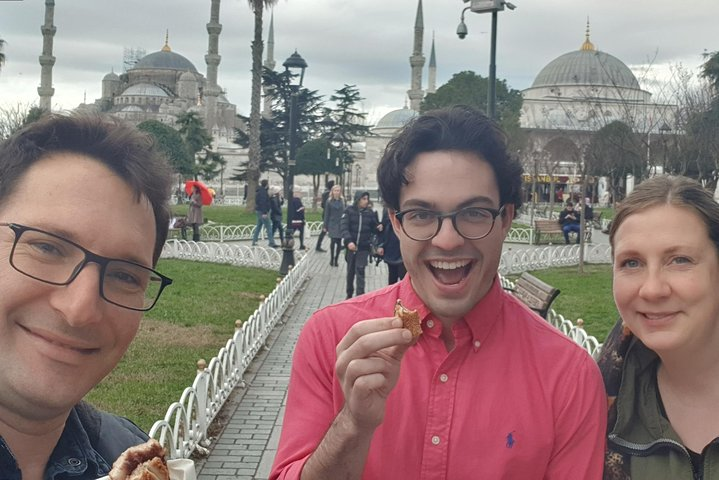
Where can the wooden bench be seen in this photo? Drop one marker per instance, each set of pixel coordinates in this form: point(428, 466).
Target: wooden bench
point(547, 229)
point(535, 293)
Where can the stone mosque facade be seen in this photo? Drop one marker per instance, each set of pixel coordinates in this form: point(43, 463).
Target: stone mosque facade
point(571, 98)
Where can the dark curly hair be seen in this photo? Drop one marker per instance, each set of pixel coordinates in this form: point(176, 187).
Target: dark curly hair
point(460, 128)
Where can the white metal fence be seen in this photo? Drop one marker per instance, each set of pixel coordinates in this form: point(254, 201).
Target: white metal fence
point(184, 427)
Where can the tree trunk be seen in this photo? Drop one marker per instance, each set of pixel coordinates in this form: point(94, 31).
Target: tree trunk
point(255, 148)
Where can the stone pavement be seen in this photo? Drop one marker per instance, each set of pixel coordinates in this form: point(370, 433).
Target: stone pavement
point(246, 448)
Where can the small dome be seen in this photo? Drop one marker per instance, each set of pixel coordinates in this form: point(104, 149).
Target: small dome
point(586, 67)
point(187, 77)
point(164, 60)
point(112, 76)
point(145, 89)
point(396, 118)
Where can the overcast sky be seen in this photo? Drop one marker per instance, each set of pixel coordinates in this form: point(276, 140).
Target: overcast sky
point(361, 42)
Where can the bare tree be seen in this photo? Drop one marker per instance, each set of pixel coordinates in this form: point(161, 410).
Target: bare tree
point(13, 117)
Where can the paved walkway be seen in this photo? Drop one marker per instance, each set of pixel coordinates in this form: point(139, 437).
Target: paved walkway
point(246, 448)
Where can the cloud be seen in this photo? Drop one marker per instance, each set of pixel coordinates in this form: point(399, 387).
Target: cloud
point(366, 43)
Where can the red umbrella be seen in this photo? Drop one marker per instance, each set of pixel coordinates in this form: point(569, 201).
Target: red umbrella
point(204, 192)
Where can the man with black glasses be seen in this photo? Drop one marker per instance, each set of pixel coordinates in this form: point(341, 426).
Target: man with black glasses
point(489, 389)
point(83, 218)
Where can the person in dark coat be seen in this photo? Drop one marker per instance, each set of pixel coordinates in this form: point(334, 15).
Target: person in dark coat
point(358, 225)
point(389, 249)
point(569, 220)
point(325, 196)
point(276, 202)
point(297, 221)
point(332, 221)
point(262, 209)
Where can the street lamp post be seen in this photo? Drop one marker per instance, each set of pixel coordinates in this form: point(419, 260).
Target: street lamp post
point(294, 62)
point(484, 6)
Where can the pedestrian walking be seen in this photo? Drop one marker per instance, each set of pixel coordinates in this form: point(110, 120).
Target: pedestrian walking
point(358, 225)
point(332, 222)
point(297, 220)
point(323, 203)
point(276, 202)
point(194, 213)
point(262, 209)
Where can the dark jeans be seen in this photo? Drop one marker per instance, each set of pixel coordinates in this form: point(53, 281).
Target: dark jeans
point(277, 226)
point(396, 272)
point(319, 240)
point(291, 231)
point(570, 227)
point(356, 263)
point(335, 249)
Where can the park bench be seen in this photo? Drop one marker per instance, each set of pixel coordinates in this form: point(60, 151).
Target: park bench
point(534, 293)
point(547, 229)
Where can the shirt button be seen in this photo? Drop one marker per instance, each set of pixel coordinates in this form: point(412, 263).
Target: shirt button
point(435, 440)
point(430, 323)
point(477, 343)
point(443, 378)
point(74, 462)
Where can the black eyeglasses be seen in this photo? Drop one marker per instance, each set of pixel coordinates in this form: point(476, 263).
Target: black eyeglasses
point(471, 223)
point(53, 259)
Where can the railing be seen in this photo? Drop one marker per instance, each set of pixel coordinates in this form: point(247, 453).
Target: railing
point(231, 233)
point(522, 260)
point(184, 427)
point(575, 332)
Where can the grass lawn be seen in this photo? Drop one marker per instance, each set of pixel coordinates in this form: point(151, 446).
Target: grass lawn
point(587, 296)
point(193, 319)
point(236, 215)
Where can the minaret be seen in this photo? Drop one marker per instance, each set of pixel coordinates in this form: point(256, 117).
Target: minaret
point(432, 82)
point(212, 90)
point(48, 30)
point(269, 64)
point(416, 61)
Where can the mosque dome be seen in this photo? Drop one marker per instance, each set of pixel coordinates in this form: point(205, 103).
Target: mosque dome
point(165, 59)
point(145, 89)
point(396, 118)
point(112, 76)
point(586, 66)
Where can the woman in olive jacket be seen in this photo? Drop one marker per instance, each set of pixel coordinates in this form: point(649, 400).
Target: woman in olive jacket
point(660, 361)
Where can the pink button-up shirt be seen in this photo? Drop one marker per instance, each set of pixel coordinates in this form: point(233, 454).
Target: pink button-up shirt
point(515, 399)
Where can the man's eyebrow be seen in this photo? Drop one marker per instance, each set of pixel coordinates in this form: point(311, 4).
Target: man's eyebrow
point(480, 201)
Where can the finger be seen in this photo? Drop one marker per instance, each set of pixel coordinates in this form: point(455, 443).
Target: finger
point(375, 343)
point(365, 366)
point(365, 327)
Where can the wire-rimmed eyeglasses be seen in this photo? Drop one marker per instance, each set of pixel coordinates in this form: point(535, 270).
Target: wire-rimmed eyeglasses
point(55, 260)
point(471, 223)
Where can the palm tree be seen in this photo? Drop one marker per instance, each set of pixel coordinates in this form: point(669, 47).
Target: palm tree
point(2, 55)
point(710, 70)
point(255, 148)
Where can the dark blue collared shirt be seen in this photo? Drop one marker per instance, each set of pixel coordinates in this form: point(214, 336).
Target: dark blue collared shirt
point(89, 444)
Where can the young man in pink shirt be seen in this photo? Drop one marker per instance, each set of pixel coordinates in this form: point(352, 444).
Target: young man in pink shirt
point(489, 390)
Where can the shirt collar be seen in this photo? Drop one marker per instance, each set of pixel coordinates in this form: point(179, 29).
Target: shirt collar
point(73, 456)
point(480, 319)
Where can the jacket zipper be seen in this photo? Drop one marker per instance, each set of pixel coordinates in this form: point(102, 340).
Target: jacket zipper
point(645, 449)
point(359, 229)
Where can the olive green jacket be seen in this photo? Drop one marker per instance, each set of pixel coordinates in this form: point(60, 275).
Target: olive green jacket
point(641, 443)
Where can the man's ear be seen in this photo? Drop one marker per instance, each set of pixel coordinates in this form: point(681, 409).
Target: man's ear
point(507, 217)
point(395, 222)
